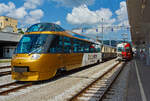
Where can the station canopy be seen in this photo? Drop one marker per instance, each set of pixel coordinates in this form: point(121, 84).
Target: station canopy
point(139, 19)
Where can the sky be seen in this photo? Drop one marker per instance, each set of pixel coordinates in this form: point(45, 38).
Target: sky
point(105, 18)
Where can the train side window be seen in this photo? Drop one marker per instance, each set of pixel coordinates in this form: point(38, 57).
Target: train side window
point(92, 48)
point(56, 45)
point(67, 45)
point(86, 47)
point(76, 45)
point(59, 46)
point(97, 48)
point(81, 46)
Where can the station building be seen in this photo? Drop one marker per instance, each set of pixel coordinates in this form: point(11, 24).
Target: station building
point(8, 23)
point(8, 43)
point(8, 36)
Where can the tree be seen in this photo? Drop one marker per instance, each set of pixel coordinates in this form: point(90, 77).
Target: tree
point(20, 31)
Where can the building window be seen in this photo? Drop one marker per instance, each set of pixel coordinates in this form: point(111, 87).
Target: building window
point(6, 19)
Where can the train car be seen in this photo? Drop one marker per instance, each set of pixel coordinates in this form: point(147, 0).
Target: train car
point(108, 52)
point(124, 51)
point(47, 48)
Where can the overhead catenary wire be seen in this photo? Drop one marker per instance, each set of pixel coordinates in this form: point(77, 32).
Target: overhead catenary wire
point(102, 26)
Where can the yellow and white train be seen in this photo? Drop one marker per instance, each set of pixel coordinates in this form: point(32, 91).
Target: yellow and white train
point(47, 48)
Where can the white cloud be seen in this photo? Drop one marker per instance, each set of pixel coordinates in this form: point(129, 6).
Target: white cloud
point(34, 16)
point(11, 10)
point(58, 22)
point(38, 13)
point(23, 14)
point(32, 4)
point(74, 3)
point(82, 15)
point(18, 13)
point(124, 23)
point(122, 16)
point(122, 12)
point(6, 8)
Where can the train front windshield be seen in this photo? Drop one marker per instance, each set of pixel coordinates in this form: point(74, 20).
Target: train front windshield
point(34, 43)
point(120, 49)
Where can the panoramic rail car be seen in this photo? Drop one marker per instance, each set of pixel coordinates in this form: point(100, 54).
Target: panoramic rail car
point(46, 49)
point(124, 51)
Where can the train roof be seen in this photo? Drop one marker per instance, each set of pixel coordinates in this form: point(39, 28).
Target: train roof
point(50, 28)
point(108, 46)
point(45, 27)
point(123, 44)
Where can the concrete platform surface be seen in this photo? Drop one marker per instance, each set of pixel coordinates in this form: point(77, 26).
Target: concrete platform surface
point(139, 81)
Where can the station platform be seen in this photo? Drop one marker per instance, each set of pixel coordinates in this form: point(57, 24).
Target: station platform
point(4, 60)
point(139, 81)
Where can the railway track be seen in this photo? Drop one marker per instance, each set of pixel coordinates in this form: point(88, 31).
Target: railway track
point(4, 67)
point(3, 73)
point(98, 89)
point(12, 87)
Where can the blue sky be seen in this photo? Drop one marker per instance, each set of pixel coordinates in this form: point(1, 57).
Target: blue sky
point(71, 14)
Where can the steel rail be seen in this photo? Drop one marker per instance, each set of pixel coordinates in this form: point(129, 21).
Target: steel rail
point(3, 67)
point(5, 73)
point(8, 84)
point(13, 89)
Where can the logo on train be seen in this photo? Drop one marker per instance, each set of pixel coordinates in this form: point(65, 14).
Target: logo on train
point(91, 57)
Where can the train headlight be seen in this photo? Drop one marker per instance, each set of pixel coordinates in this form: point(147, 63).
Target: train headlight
point(35, 56)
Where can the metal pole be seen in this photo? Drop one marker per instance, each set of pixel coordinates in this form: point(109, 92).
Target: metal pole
point(97, 36)
point(102, 30)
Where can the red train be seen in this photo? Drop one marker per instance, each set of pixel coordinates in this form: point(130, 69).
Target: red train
point(124, 51)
